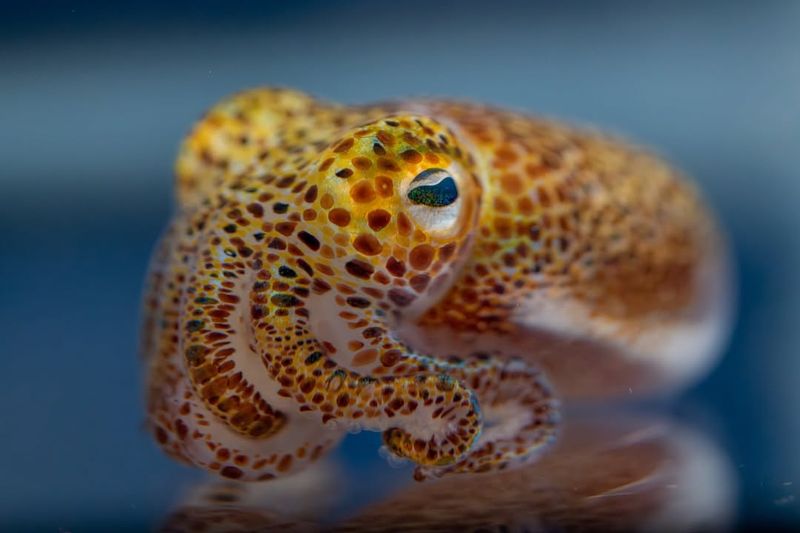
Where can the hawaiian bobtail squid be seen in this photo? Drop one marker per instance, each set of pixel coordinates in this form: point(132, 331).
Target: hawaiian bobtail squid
point(316, 246)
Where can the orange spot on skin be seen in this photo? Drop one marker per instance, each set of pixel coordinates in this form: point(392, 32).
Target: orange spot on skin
point(355, 345)
point(395, 267)
point(378, 219)
point(367, 244)
point(534, 171)
point(506, 155)
point(404, 224)
point(362, 192)
point(387, 164)
point(339, 216)
point(342, 239)
point(421, 256)
point(432, 158)
point(447, 251)
point(411, 156)
point(365, 357)
point(285, 463)
point(525, 205)
point(385, 138)
point(344, 146)
point(385, 186)
point(511, 183)
point(361, 163)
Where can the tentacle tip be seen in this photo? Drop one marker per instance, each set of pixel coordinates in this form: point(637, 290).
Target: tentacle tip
point(425, 473)
point(399, 446)
point(396, 445)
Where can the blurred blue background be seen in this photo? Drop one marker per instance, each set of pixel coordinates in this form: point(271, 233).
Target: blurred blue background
point(94, 98)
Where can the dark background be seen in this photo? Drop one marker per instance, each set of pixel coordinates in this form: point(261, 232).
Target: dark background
point(95, 97)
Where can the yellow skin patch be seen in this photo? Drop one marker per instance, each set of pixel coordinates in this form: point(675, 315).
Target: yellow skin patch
point(308, 234)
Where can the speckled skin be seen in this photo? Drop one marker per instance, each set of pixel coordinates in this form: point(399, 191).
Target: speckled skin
point(278, 295)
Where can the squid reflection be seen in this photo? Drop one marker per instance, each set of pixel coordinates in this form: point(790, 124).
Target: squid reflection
point(605, 473)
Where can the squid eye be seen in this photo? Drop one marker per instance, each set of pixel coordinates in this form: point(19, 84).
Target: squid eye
point(439, 194)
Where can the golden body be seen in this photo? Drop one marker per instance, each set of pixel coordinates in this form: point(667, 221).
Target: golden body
point(313, 243)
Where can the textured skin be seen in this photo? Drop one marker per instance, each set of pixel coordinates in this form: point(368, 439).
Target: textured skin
point(278, 296)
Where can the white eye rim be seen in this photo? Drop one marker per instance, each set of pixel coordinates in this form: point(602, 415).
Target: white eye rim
point(440, 220)
point(430, 176)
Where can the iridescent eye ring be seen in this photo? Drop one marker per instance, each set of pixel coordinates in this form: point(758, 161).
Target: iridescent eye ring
point(439, 194)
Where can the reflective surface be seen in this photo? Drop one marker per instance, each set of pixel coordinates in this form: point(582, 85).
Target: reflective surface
point(609, 472)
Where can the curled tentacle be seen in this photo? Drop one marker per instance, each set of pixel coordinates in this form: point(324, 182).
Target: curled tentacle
point(179, 418)
point(520, 415)
point(292, 276)
point(427, 407)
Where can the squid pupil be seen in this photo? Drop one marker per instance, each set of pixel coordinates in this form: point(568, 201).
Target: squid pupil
point(438, 195)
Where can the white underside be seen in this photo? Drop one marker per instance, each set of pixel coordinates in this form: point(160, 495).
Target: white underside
point(680, 348)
